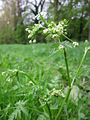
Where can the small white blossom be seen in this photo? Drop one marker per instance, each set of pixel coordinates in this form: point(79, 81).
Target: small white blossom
point(30, 41)
point(55, 92)
point(29, 31)
point(26, 29)
point(86, 41)
point(34, 41)
point(54, 36)
point(45, 31)
point(75, 44)
point(29, 36)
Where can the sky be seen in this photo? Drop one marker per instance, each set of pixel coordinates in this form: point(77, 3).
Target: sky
point(0, 3)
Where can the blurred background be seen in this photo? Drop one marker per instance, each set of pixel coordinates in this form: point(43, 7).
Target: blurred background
point(16, 15)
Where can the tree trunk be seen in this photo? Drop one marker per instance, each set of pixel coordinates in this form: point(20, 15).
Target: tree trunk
point(56, 3)
point(81, 28)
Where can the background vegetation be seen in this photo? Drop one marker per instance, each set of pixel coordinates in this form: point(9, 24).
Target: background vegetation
point(33, 83)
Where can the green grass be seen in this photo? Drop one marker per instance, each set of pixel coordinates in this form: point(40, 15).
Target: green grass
point(33, 82)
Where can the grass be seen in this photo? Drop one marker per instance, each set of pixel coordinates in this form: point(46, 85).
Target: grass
point(33, 83)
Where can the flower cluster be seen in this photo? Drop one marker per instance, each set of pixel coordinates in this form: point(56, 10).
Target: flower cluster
point(32, 41)
point(33, 32)
point(75, 44)
point(50, 30)
point(55, 31)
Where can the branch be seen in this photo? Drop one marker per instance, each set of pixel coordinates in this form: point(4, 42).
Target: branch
point(42, 4)
point(33, 4)
point(36, 2)
point(33, 11)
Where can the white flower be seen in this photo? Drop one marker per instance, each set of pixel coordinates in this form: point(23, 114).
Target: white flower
point(75, 44)
point(54, 36)
point(34, 41)
point(30, 41)
point(29, 31)
point(29, 36)
point(86, 41)
point(26, 29)
point(55, 92)
point(45, 31)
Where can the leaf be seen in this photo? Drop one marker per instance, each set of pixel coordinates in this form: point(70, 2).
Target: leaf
point(19, 108)
point(75, 94)
point(41, 117)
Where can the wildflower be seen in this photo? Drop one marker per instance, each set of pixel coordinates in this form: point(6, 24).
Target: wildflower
point(34, 41)
point(55, 92)
point(54, 36)
point(75, 44)
point(45, 31)
point(26, 29)
point(29, 36)
point(30, 41)
point(29, 31)
point(86, 41)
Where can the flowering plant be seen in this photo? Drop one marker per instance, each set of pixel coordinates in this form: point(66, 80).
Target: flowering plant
point(57, 32)
point(50, 30)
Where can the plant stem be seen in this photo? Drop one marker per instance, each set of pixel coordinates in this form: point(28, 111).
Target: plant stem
point(67, 68)
point(80, 65)
point(65, 100)
point(69, 90)
point(17, 75)
point(50, 114)
point(67, 38)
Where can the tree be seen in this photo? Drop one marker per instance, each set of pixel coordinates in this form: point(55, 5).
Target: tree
point(77, 12)
point(13, 18)
point(36, 7)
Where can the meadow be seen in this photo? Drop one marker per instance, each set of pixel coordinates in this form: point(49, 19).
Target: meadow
point(33, 83)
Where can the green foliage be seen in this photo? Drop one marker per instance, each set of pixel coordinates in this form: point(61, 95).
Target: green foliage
point(20, 34)
point(7, 35)
point(76, 12)
point(33, 85)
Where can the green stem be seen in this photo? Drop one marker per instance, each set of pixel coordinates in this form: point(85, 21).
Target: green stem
point(69, 90)
point(67, 38)
point(29, 78)
point(47, 108)
point(67, 68)
point(17, 75)
point(80, 65)
point(61, 108)
point(50, 114)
